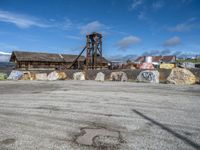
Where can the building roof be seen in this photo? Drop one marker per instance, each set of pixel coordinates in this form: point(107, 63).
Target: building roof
point(157, 59)
point(43, 57)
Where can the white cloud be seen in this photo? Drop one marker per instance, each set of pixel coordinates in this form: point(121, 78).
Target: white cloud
point(136, 3)
point(157, 52)
point(73, 37)
point(94, 26)
point(20, 20)
point(185, 26)
point(173, 41)
point(67, 24)
point(127, 42)
point(182, 27)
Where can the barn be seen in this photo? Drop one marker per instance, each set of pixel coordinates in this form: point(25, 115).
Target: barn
point(44, 61)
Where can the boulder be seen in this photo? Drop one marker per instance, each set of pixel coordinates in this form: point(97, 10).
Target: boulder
point(146, 66)
point(149, 76)
point(15, 75)
point(100, 76)
point(118, 76)
point(26, 75)
point(79, 76)
point(62, 75)
point(53, 76)
point(3, 76)
point(41, 76)
point(57, 76)
point(181, 76)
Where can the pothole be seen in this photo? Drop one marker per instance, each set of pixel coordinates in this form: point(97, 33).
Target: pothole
point(99, 137)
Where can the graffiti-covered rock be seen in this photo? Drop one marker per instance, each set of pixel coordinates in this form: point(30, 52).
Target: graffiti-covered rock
point(149, 76)
point(100, 76)
point(15, 75)
point(118, 76)
point(181, 76)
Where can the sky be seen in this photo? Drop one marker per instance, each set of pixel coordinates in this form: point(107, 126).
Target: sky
point(129, 27)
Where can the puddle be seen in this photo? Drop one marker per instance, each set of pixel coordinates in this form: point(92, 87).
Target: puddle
point(8, 141)
point(99, 137)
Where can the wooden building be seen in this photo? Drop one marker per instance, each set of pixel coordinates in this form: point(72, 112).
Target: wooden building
point(44, 61)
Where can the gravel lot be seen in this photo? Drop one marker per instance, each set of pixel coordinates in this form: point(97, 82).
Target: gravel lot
point(111, 115)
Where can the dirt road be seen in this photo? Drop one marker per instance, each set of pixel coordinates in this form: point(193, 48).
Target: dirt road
point(78, 115)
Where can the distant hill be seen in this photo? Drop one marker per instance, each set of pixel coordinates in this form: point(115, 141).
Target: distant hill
point(6, 65)
point(122, 58)
point(4, 57)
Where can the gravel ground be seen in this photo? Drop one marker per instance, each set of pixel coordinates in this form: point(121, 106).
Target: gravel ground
point(53, 115)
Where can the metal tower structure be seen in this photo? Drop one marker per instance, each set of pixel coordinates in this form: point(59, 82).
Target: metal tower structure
point(93, 52)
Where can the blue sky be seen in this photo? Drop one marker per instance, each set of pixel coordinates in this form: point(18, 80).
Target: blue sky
point(129, 27)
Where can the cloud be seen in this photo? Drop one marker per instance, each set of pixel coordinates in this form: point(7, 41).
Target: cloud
point(185, 26)
point(127, 42)
point(142, 15)
point(158, 4)
point(172, 41)
point(136, 3)
point(21, 21)
point(67, 24)
point(94, 26)
point(73, 37)
point(157, 52)
point(182, 27)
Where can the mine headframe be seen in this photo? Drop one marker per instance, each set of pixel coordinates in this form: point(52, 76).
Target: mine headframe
point(93, 52)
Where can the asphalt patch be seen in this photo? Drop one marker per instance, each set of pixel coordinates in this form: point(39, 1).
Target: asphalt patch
point(99, 137)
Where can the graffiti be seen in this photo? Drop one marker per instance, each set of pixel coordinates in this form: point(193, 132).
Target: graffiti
point(149, 76)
